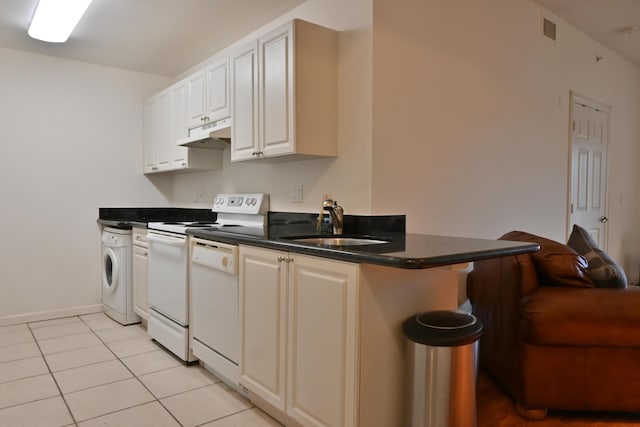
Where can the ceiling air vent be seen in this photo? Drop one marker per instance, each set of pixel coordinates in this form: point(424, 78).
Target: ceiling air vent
point(549, 28)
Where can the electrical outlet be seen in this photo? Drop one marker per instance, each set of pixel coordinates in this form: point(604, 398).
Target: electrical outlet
point(296, 194)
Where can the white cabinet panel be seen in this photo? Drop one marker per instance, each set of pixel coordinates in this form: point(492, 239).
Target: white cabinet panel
point(178, 118)
point(208, 94)
point(284, 94)
point(276, 102)
point(244, 93)
point(196, 110)
point(165, 122)
point(140, 275)
point(217, 92)
point(322, 342)
point(299, 328)
point(263, 324)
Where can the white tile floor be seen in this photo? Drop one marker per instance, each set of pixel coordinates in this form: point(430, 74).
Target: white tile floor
point(91, 371)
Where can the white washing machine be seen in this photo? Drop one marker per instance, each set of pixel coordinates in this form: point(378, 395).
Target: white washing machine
point(117, 276)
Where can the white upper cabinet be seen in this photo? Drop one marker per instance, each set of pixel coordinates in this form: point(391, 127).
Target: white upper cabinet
point(178, 118)
point(165, 122)
point(218, 98)
point(284, 94)
point(149, 147)
point(244, 108)
point(208, 94)
point(157, 151)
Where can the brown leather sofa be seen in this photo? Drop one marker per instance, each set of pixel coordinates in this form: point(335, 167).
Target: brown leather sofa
point(553, 344)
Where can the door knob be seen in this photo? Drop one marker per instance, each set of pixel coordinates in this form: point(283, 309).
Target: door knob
point(603, 219)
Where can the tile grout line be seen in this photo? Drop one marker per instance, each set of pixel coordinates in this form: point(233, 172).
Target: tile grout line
point(138, 379)
point(22, 378)
point(226, 416)
point(119, 359)
point(73, 418)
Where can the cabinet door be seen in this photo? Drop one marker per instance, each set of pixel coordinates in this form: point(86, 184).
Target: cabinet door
point(263, 316)
point(150, 154)
point(217, 89)
point(196, 104)
point(322, 350)
point(140, 281)
point(179, 128)
point(163, 127)
point(276, 92)
point(244, 103)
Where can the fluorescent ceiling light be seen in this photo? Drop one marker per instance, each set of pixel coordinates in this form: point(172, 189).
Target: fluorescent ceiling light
point(54, 20)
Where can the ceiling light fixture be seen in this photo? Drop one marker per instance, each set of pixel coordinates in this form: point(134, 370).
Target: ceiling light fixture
point(54, 20)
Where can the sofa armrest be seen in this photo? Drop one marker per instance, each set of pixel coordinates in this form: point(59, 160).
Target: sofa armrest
point(495, 289)
point(582, 317)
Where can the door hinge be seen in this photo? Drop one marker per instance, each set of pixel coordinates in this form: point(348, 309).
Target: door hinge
point(571, 207)
point(574, 125)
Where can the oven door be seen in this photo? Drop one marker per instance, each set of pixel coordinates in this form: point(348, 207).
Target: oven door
point(168, 258)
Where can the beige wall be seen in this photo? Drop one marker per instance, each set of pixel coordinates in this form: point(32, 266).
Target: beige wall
point(453, 112)
point(347, 178)
point(471, 118)
point(71, 143)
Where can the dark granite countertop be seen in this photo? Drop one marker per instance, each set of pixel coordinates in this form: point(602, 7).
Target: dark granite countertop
point(401, 250)
point(126, 218)
point(404, 250)
point(124, 225)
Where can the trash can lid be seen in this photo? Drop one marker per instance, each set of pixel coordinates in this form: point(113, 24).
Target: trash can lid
point(442, 328)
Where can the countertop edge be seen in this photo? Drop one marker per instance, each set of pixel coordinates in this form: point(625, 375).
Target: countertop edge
point(361, 257)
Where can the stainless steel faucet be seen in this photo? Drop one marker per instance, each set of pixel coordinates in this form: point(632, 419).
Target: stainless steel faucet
point(336, 213)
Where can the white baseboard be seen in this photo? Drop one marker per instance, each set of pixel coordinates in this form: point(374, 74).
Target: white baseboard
point(50, 314)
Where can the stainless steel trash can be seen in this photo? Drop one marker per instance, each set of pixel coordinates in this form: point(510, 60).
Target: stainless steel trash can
point(442, 352)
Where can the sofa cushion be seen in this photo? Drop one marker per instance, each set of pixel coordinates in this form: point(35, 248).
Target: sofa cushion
point(555, 316)
point(556, 264)
point(603, 270)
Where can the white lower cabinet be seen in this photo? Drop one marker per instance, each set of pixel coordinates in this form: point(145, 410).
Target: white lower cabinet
point(298, 318)
point(140, 262)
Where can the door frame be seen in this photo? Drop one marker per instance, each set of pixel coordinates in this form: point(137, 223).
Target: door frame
point(600, 106)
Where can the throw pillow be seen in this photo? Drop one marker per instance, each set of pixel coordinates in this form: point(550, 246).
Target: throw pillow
point(603, 270)
point(556, 264)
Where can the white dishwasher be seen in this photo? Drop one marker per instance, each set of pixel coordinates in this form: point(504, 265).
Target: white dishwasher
point(214, 288)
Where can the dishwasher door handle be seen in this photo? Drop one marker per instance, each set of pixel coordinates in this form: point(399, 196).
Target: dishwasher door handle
point(215, 258)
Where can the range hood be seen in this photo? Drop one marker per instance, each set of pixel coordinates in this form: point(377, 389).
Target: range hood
point(214, 135)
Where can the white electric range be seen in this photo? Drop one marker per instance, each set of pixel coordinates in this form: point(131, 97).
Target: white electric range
point(168, 275)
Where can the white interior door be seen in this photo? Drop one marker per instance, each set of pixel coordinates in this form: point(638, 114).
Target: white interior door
point(588, 204)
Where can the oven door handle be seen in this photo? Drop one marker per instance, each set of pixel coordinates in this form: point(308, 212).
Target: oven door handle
point(166, 240)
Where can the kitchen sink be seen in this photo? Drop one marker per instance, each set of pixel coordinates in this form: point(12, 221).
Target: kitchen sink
point(339, 241)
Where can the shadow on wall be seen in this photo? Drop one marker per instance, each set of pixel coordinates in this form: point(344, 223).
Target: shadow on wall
point(163, 183)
